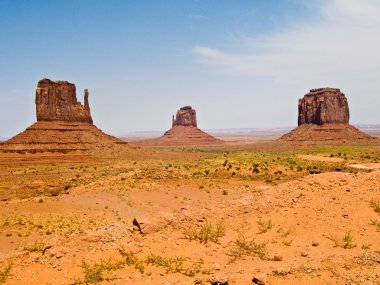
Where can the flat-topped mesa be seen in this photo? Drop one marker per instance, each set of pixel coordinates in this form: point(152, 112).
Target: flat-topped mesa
point(323, 106)
point(57, 101)
point(186, 116)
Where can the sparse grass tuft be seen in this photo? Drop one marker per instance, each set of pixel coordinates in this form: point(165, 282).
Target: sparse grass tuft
point(92, 274)
point(264, 226)
point(243, 246)
point(347, 241)
point(37, 246)
point(4, 273)
point(375, 204)
point(376, 223)
point(176, 264)
point(207, 232)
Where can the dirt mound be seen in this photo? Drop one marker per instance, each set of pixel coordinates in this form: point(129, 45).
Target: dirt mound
point(335, 133)
point(64, 138)
point(182, 136)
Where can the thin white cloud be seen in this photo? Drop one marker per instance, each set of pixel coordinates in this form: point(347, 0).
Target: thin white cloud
point(342, 45)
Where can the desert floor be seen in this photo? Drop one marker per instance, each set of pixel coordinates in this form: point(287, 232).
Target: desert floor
point(249, 214)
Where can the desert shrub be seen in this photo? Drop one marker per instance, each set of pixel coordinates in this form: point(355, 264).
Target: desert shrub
point(347, 241)
point(4, 273)
point(207, 232)
point(37, 246)
point(375, 204)
point(175, 264)
point(264, 226)
point(243, 246)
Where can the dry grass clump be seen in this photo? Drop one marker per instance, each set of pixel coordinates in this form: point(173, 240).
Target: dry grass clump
point(347, 241)
point(207, 232)
point(375, 204)
point(94, 274)
point(243, 246)
point(4, 273)
point(176, 264)
point(264, 226)
point(37, 246)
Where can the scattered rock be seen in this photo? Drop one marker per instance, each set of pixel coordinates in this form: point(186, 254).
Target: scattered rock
point(259, 280)
point(282, 271)
point(314, 243)
point(219, 280)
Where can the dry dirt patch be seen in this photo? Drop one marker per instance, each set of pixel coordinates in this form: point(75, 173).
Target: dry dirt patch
point(320, 158)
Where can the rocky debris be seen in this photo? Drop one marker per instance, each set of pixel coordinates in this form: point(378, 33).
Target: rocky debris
point(186, 116)
point(323, 106)
point(57, 101)
point(323, 116)
point(259, 279)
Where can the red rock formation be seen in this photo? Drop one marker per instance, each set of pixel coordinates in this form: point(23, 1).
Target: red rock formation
point(186, 116)
point(323, 116)
point(323, 106)
point(64, 126)
point(57, 101)
point(184, 132)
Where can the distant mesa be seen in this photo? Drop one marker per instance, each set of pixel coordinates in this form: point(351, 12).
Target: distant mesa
point(184, 132)
point(323, 115)
point(64, 125)
point(186, 116)
point(57, 101)
point(323, 106)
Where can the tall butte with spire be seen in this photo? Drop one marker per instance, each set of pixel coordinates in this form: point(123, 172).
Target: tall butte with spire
point(57, 101)
point(323, 116)
point(63, 125)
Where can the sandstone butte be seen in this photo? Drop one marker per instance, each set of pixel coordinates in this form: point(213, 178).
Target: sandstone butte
point(323, 116)
point(63, 125)
point(184, 132)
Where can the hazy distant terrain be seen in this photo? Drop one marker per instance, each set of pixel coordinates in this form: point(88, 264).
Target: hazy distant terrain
point(242, 132)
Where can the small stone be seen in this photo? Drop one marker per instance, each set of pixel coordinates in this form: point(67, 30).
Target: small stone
point(259, 280)
point(304, 254)
point(314, 243)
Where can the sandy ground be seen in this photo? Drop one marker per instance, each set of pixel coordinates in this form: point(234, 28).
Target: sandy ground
point(303, 229)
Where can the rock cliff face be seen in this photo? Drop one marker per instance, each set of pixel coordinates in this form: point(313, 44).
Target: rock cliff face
point(186, 116)
point(57, 101)
point(323, 116)
point(323, 106)
point(64, 126)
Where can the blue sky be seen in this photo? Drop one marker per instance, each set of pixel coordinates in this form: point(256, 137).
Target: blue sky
point(238, 63)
